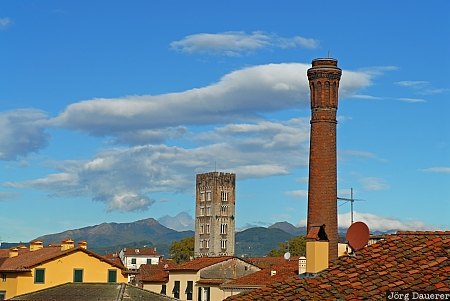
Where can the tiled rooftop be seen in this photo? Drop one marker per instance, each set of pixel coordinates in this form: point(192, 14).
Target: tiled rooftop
point(140, 252)
point(154, 272)
point(274, 269)
point(418, 261)
point(199, 263)
point(92, 292)
point(28, 259)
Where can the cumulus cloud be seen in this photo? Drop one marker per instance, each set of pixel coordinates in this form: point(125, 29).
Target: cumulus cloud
point(236, 43)
point(240, 95)
point(378, 223)
point(23, 132)
point(5, 23)
point(124, 178)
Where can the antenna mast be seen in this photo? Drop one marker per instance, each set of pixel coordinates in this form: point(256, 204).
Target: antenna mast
point(351, 200)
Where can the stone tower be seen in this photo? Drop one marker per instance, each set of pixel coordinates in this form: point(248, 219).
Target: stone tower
point(215, 214)
point(323, 76)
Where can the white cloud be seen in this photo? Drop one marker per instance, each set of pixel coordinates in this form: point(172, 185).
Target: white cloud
point(236, 43)
point(412, 83)
point(298, 193)
point(382, 223)
point(412, 100)
point(437, 169)
point(123, 178)
point(23, 132)
point(366, 97)
point(7, 196)
point(420, 87)
point(378, 223)
point(240, 95)
point(372, 183)
point(5, 23)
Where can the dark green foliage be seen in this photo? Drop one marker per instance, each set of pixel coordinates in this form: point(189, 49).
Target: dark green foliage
point(296, 246)
point(182, 250)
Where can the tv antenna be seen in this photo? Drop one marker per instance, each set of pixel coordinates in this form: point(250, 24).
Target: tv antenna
point(351, 200)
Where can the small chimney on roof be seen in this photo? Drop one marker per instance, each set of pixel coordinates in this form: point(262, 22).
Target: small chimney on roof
point(273, 273)
point(36, 245)
point(316, 249)
point(67, 244)
point(13, 252)
point(82, 244)
point(301, 265)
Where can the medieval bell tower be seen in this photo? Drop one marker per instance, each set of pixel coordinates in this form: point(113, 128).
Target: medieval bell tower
point(323, 76)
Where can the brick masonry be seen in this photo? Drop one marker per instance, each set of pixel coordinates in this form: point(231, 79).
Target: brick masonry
point(323, 76)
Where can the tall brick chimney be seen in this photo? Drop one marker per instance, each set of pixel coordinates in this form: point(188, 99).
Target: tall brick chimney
point(323, 76)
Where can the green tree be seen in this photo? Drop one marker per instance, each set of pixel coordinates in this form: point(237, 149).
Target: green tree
point(296, 246)
point(182, 250)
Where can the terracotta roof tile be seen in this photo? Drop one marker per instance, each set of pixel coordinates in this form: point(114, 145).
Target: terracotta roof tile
point(199, 263)
point(28, 259)
point(153, 272)
point(140, 252)
point(404, 261)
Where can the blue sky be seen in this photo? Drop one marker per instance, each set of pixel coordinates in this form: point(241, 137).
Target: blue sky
point(108, 109)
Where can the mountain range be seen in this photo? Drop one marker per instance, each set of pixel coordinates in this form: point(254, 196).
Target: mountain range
point(111, 237)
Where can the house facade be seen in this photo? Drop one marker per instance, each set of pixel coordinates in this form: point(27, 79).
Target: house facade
point(133, 258)
point(201, 278)
point(24, 270)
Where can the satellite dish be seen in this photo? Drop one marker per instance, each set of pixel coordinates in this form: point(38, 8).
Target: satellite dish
point(287, 255)
point(358, 235)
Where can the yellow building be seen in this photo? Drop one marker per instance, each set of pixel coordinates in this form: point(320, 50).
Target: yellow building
point(24, 270)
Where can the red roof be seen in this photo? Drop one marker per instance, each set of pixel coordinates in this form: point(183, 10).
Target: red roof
point(406, 261)
point(28, 259)
point(275, 269)
point(153, 272)
point(140, 252)
point(199, 263)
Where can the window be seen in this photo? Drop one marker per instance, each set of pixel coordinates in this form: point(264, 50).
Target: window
point(149, 261)
point(224, 196)
point(133, 260)
point(39, 275)
point(2, 295)
point(206, 243)
point(163, 289)
point(202, 228)
point(112, 276)
point(224, 209)
point(77, 275)
point(208, 211)
point(223, 244)
point(199, 293)
point(206, 294)
point(207, 228)
point(4, 277)
point(223, 228)
point(189, 290)
point(208, 196)
point(202, 211)
point(176, 290)
point(202, 196)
